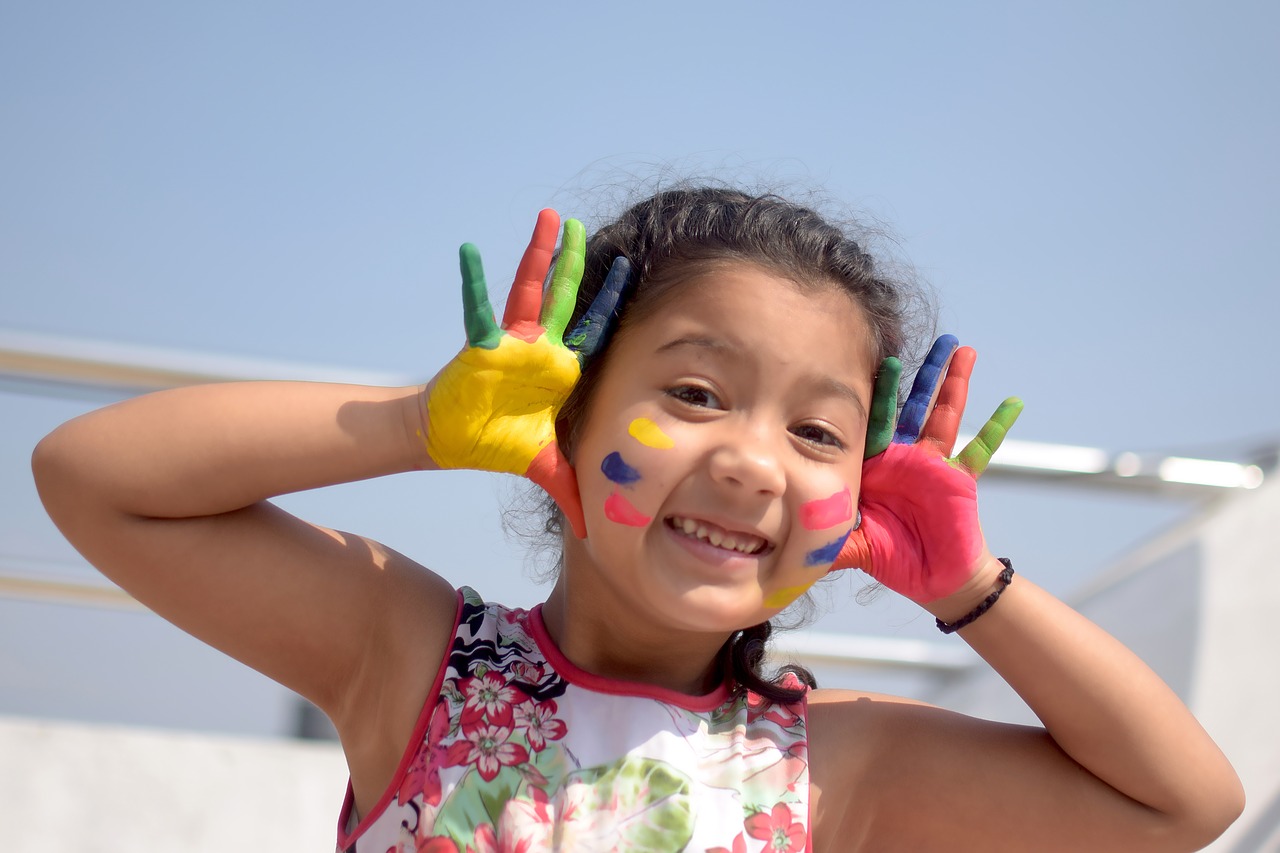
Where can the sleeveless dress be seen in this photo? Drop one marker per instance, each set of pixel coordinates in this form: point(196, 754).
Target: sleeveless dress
point(517, 749)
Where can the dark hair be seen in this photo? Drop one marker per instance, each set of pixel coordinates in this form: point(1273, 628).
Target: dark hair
point(675, 235)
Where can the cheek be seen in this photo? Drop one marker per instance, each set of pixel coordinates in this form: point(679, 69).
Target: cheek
point(833, 510)
point(633, 470)
point(825, 522)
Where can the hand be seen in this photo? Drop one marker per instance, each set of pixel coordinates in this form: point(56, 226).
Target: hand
point(493, 408)
point(919, 534)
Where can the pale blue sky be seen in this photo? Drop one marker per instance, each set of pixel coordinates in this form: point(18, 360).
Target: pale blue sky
point(1091, 188)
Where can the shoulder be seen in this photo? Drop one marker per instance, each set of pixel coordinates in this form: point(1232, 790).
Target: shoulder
point(862, 748)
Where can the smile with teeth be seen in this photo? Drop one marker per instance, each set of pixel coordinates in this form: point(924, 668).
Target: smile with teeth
point(744, 543)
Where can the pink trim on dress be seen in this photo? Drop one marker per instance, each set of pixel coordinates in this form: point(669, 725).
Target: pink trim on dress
point(601, 684)
point(410, 750)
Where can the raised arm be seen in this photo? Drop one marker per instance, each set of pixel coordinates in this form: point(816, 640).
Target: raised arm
point(167, 494)
point(1121, 764)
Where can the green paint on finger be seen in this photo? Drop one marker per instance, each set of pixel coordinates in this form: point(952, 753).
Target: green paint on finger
point(884, 407)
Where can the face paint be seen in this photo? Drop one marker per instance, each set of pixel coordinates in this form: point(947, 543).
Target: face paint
point(826, 555)
point(618, 471)
point(650, 434)
point(618, 508)
point(827, 512)
point(785, 596)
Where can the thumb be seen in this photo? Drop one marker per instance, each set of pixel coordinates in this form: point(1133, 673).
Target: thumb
point(856, 552)
point(552, 471)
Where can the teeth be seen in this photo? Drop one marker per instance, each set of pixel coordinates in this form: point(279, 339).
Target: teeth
point(745, 545)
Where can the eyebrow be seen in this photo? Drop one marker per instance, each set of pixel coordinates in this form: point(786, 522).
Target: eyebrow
point(826, 385)
point(702, 343)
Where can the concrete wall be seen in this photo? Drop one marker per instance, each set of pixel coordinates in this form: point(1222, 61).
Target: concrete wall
point(68, 787)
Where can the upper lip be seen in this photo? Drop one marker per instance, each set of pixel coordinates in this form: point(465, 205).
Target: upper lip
point(734, 528)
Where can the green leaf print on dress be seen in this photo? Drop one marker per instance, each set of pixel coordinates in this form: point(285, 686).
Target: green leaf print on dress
point(636, 804)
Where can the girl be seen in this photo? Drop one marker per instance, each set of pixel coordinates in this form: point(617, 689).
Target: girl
point(732, 440)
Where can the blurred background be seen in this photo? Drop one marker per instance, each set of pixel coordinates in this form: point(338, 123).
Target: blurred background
point(279, 189)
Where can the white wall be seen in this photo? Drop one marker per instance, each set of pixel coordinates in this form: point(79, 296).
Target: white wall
point(68, 787)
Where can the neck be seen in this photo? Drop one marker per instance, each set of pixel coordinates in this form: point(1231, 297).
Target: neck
point(604, 637)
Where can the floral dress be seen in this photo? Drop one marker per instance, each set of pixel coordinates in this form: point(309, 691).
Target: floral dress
point(519, 750)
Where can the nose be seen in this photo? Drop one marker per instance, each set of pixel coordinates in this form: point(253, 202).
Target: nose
point(746, 458)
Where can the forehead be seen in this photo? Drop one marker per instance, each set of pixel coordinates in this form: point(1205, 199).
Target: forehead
point(744, 307)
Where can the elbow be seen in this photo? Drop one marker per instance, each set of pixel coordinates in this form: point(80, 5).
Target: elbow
point(53, 470)
point(1225, 810)
point(1215, 810)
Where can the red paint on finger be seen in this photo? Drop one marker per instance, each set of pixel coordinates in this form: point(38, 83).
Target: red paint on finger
point(525, 300)
point(827, 512)
point(618, 508)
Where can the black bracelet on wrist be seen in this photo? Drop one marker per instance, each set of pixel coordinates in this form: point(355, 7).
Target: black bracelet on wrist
point(1005, 578)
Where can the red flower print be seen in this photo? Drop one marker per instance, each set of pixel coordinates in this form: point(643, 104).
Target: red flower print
point(539, 723)
point(758, 706)
point(529, 673)
point(739, 846)
point(437, 844)
point(488, 697)
point(777, 829)
point(488, 748)
point(424, 773)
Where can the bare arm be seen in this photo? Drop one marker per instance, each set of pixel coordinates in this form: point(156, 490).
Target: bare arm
point(1120, 765)
point(166, 495)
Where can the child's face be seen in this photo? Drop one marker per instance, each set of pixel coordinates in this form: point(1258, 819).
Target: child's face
point(722, 452)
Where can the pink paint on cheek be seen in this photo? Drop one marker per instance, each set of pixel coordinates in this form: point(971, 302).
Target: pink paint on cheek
point(618, 508)
point(827, 512)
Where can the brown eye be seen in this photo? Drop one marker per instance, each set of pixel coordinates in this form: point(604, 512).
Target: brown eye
point(817, 435)
point(694, 395)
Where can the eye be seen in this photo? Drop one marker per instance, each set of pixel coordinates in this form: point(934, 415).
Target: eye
point(694, 395)
point(817, 435)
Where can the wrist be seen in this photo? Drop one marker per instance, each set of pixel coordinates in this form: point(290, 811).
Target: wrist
point(985, 579)
point(417, 423)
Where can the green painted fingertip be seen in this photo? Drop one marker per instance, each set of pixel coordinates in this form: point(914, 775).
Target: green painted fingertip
point(884, 407)
point(558, 307)
point(977, 455)
point(477, 313)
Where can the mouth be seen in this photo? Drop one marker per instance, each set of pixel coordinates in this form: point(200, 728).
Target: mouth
point(732, 540)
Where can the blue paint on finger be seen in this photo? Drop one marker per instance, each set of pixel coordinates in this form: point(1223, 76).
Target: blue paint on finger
point(923, 389)
point(593, 328)
point(618, 471)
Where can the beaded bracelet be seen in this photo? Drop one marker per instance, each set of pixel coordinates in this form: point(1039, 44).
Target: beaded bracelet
point(1006, 578)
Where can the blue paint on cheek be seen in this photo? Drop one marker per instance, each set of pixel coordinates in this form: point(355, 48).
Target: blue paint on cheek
point(619, 471)
point(826, 555)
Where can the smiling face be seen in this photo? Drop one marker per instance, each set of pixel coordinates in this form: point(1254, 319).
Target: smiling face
point(721, 454)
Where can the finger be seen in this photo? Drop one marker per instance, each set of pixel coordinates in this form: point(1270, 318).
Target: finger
point(558, 307)
point(920, 400)
point(594, 325)
point(977, 454)
point(884, 407)
point(944, 420)
point(526, 291)
point(477, 313)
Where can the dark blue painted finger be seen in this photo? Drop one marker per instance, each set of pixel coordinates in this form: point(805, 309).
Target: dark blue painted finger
point(592, 329)
point(924, 389)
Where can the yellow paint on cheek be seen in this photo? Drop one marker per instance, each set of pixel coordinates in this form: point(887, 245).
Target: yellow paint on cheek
point(650, 434)
point(786, 595)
